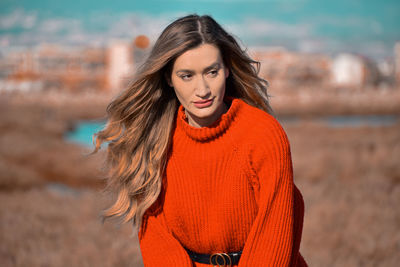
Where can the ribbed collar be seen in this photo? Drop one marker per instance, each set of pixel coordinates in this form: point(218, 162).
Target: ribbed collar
point(204, 134)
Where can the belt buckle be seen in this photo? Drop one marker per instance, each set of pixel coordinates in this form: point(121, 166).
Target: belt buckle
point(222, 256)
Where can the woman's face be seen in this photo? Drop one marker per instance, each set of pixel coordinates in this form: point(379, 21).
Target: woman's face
point(198, 78)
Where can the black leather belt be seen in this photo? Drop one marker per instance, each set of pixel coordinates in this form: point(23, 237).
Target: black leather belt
point(220, 259)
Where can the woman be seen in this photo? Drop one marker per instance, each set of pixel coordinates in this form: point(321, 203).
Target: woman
point(201, 167)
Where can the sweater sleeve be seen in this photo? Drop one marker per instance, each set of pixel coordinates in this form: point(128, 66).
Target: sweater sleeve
point(158, 245)
point(270, 240)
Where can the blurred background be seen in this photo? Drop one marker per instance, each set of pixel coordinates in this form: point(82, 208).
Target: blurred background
point(334, 73)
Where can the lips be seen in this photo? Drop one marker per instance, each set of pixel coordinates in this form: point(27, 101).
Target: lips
point(203, 104)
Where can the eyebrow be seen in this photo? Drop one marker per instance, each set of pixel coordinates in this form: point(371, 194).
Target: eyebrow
point(212, 66)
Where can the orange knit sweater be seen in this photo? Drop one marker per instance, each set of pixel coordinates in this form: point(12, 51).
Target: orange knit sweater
point(227, 187)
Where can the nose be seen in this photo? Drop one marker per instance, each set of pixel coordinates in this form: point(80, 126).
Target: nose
point(202, 88)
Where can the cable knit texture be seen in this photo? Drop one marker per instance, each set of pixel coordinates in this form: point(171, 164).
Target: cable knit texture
point(227, 187)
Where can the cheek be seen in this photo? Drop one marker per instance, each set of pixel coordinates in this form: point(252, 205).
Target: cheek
point(218, 84)
point(182, 90)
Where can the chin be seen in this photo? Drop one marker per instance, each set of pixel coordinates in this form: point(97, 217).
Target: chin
point(203, 114)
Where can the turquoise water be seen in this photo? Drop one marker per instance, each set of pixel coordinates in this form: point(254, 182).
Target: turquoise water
point(84, 130)
point(356, 120)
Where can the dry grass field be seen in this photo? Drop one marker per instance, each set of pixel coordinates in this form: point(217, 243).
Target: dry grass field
point(50, 191)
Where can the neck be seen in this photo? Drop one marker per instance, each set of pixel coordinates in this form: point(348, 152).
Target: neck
point(219, 126)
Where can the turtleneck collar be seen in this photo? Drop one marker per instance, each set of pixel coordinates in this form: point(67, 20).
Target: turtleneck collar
point(214, 130)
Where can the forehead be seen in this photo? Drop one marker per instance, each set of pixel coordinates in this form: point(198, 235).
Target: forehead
point(198, 58)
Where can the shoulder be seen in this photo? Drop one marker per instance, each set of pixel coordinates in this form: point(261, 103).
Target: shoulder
point(266, 141)
point(260, 126)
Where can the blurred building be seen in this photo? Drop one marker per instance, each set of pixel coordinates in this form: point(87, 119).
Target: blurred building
point(281, 66)
point(110, 68)
point(347, 69)
point(52, 67)
point(74, 69)
point(293, 69)
point(119, 63)
point(386, 69)
point(141, 49)
point(397, 62)
point(17, 72)
point(354, 70)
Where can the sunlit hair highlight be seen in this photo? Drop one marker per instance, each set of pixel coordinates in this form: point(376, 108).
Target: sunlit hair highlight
point(140, 120)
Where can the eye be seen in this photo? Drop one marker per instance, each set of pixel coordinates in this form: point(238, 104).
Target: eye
point(213, 73)
point(186, 77)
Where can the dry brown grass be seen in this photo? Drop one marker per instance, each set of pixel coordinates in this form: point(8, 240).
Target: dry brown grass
point(49, 203)
point(349, 177)
point(350, 180)
point(32, 146)
point(51, 227)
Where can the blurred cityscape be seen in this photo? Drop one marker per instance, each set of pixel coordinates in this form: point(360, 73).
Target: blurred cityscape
point(107, 69)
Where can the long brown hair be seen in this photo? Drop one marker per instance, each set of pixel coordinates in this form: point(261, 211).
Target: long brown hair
point(141, 118)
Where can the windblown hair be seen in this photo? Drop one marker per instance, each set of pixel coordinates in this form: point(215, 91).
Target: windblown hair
point(141, 118)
